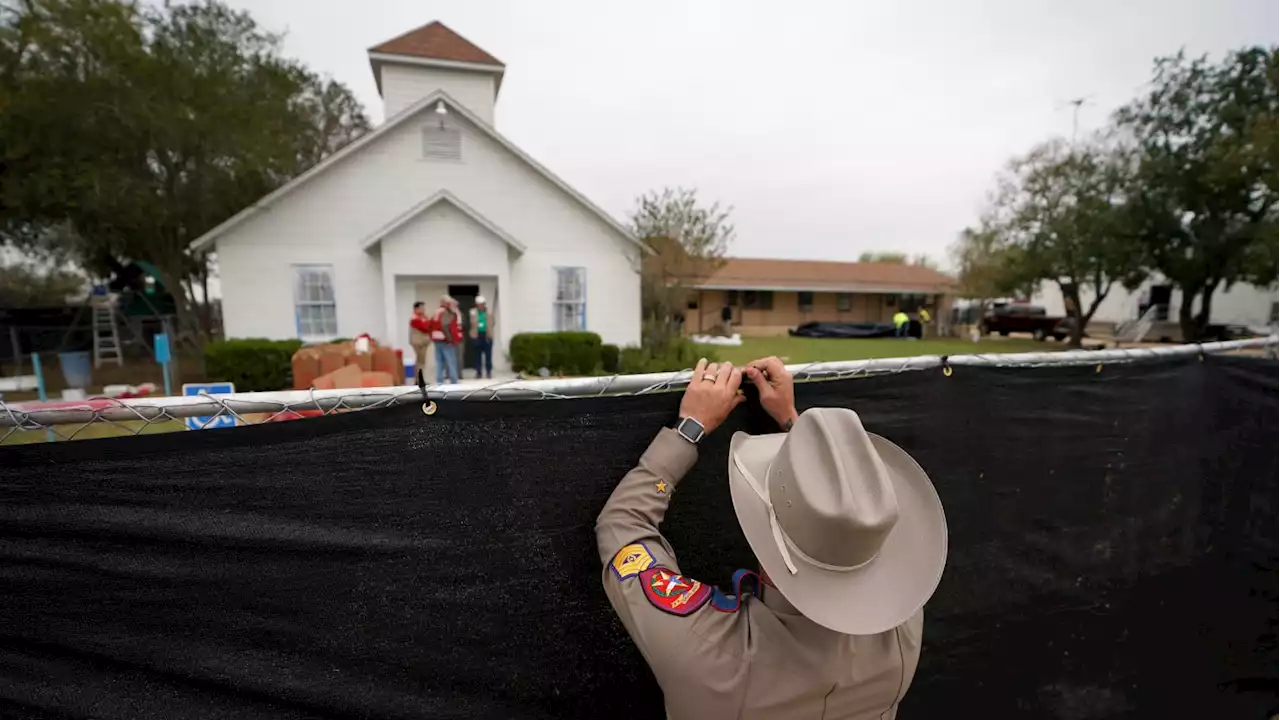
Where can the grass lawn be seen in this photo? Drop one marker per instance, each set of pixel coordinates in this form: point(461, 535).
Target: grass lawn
point(803, 350)
point(95, 430)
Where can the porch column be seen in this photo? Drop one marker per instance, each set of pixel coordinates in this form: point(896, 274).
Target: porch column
point(504, 329)
point(390, 312)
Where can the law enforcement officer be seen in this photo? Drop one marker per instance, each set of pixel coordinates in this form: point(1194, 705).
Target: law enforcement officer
point(851, 541)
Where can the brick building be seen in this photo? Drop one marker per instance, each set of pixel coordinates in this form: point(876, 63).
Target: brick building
point(768, 297)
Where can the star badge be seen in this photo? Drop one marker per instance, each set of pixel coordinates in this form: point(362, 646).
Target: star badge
point(662, 486)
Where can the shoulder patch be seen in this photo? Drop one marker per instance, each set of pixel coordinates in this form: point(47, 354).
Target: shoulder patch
point(632, 560)
point(672, 592)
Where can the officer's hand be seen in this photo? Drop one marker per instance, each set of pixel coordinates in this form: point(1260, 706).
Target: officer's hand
point(777, 389)
point(712, 394)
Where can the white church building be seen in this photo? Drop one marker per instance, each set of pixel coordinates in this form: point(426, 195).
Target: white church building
point(433, 201)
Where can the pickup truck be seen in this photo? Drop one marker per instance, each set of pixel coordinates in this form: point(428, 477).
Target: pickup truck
point(1032, 319)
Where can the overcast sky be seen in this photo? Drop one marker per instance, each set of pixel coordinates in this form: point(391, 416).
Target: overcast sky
point(840, 128)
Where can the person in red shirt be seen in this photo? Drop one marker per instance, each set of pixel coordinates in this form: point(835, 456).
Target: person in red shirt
point(420, 336)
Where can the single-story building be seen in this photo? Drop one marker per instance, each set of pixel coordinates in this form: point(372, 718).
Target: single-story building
point(433, 201)
point(1242, 305)
point(769, 297)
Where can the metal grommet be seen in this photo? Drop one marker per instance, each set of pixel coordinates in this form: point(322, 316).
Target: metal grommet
point(947, 371)
point(429, 408)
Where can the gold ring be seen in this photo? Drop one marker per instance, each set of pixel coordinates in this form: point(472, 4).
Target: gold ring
point(708, 377)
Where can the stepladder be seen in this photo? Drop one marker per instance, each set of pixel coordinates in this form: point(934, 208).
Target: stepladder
point(106, 334)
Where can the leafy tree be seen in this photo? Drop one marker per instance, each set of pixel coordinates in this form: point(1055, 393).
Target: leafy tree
point(1262, 258)
point(895, 258)
point(143, 127)
point(1062, 217)
point(984, 264)
point(689, 241)
point(27, 282)
point(898, 258)
point(1204, 201)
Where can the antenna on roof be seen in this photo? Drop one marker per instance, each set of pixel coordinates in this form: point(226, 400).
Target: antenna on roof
point(1076, 104)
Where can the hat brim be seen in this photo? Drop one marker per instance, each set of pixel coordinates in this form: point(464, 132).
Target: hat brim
point(870, 600)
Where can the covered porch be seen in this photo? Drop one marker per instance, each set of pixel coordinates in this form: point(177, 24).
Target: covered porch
point(443, 246)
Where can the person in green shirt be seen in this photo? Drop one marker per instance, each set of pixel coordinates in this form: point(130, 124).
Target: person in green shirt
point(481, 335)
point(901, 323)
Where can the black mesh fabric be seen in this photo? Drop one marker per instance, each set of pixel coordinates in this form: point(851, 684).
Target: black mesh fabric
point(1113, 554)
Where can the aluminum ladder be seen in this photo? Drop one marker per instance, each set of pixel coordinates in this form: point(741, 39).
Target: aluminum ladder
point(106, 336)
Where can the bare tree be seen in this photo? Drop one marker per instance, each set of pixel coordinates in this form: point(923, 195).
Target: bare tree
point(689, 241)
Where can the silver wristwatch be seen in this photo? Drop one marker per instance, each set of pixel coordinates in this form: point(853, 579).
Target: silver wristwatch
point(691, 430)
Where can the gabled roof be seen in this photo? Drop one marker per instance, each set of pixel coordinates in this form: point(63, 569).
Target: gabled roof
point(435, 41)
point(391, 124)
point(434, 45)
point(818, 275)
point(443, 196)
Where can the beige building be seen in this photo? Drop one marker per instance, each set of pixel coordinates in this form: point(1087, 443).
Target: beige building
point(769, 297)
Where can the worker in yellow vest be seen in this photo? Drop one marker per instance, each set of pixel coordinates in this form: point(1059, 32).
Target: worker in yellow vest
point(901, 322)
point(925, 317)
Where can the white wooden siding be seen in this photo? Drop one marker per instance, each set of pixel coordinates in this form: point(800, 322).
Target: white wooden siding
point(257, 287)
point(403, 85)
point(325, 220)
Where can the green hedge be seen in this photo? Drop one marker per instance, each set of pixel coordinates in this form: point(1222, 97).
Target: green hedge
point(677, 354)
point(253, 364)
point(561, 353)
point(609, 357)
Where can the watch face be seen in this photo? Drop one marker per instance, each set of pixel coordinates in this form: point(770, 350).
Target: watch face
point(691, 429)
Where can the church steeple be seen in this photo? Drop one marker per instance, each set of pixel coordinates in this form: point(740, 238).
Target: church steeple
point(433, 57)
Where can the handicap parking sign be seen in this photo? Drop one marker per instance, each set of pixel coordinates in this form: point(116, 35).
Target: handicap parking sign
point(208, 422)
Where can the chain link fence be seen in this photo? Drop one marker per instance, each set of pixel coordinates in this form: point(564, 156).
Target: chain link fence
point(102, 417)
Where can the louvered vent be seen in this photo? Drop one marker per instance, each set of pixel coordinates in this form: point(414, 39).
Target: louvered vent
point(441, 141)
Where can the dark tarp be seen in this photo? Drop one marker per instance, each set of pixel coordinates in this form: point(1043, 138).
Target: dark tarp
point(843, 330)
point(854, 330)
point(1113, 554)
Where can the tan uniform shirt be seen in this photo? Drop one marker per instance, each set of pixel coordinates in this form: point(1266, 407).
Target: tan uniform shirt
point(417, 338)
point(718, 657)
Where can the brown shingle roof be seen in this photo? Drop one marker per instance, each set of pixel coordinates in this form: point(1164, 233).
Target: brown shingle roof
point(758, 273)
point(435, 41)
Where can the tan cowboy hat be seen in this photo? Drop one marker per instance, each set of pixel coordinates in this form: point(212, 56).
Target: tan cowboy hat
point(848, 526)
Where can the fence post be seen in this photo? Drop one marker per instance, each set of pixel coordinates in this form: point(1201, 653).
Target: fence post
point(40, 391)
point(14, 341)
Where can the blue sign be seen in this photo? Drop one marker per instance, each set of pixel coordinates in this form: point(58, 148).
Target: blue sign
point(162, 348)
point(208, 422)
